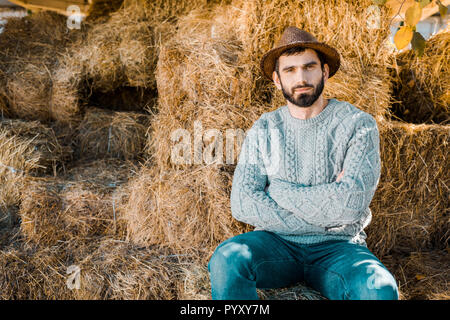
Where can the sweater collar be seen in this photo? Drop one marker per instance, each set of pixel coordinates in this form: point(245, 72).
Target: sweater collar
point(314, 120)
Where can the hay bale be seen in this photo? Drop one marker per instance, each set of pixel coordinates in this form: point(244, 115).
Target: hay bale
point(26, 149)
point(26, 66)
point(197, 286)
point(422, 275)
point(120, 51)
point(410, 206)
point(109, 269)
point(118, 270)
point(422, 85)
point(104, 133)
point(180, 209)
point(78, 206)
point(38, 142)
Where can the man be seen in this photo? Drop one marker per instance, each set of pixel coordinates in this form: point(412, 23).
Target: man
point(306, 175)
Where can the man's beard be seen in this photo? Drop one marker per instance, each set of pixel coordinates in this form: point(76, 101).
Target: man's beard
point(304, 100)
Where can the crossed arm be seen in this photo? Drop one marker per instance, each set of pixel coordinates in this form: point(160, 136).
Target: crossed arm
point(325, 205)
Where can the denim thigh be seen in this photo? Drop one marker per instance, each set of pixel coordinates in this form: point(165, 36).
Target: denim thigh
point(260, 256)
point(344, 270)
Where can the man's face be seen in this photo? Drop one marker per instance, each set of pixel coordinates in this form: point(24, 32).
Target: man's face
point(299, 72)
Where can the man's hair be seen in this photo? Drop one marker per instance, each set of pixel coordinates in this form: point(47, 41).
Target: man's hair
point(295, 50)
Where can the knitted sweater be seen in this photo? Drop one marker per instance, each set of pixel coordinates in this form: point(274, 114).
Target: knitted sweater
point(285, 178)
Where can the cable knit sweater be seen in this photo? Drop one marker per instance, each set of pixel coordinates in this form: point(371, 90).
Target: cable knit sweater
point(285, 179)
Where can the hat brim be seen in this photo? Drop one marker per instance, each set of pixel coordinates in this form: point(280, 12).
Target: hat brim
point(331, 56)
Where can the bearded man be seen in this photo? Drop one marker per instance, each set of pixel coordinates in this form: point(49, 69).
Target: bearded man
point(305, 177)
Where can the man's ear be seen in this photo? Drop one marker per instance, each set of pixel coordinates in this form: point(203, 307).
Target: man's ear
point(276, 80)
point(326, 71)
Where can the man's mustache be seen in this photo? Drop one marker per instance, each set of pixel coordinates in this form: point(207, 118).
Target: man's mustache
point(302, 87)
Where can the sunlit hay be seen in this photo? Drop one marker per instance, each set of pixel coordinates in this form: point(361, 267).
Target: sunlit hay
point(79, 206)
point(362, 79)
point(422, 84)
point(198, 80)
point(422, 275)
point(104, 133)
point(123, 50)
point(119, 270)
point(65, 99)
point(179, 209)
point(26, 148)
point(41, 143)
point(98, 270)
point(410, 206)
point(196, 285)
point(26, 66)
point(120, 51)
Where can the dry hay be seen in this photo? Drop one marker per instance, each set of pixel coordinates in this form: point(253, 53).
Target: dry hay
point(197, 286)
point(26, 65)
point(422, 84)
point(411, 204)
point(179, 209)
point(120, 51)
point(79, 206)
point(422, 275)
point(110, 269)
point(26, 149)
point(104, 133)
point(36, 141)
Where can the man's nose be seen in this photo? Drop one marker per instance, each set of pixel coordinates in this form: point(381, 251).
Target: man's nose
point(301, 77)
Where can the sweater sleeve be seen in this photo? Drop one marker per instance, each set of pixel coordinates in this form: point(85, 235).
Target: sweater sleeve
point(344, 202)
point(249, 201)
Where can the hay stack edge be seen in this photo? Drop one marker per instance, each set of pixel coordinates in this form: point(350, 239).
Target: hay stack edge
point(88, 116)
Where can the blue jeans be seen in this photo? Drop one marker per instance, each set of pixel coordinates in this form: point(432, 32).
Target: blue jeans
point(261, 259)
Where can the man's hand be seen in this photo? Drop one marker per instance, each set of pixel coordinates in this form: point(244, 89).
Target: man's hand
point(339, 177)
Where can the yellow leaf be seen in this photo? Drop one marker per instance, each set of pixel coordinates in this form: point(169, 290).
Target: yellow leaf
point(403, 37)
point(420, 276)
point(413, 14)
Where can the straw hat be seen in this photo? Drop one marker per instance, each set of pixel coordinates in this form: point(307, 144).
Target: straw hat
point(294, 37)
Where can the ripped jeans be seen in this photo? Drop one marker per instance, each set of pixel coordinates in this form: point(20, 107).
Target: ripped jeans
point(339, 270)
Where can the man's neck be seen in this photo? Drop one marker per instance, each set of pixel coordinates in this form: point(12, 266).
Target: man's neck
point(308, 112)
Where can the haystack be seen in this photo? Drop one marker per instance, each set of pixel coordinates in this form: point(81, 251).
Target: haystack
point(104, 133)
point(180, 209)
point(109, 269)
point(422, 84)
point(26, 66)
point(26, 149)
point(411, 206)
point(116, 54)
point(79, 206)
